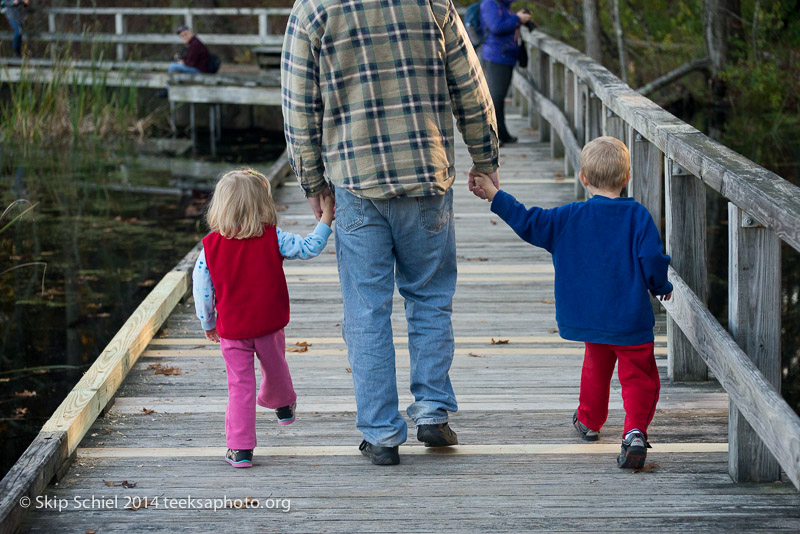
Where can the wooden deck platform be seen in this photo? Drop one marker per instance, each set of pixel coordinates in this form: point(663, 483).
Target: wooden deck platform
point(520, 467)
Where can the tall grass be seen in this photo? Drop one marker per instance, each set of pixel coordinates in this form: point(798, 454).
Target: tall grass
point(62, 102)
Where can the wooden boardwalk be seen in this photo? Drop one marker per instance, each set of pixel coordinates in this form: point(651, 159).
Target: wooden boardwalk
point(520, 467)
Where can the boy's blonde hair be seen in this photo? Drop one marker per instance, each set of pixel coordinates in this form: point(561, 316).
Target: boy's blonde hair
point(242, 204)
point(606, 163)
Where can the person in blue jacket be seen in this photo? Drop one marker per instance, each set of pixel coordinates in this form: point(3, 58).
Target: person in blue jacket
point(500, 52)
point(607, 258)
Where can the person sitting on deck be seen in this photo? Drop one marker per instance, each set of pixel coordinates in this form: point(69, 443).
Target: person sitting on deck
point(607, 256)
point(242, 301)
point(193, 59)
point(15, 13)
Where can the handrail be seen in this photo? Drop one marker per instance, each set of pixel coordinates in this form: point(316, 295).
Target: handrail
point(773, 201)
point(575, 99)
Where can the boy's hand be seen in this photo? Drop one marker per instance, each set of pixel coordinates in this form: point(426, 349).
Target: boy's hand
point(484, 186)
point(212, 335)
point(665, 297)
point(327, 203)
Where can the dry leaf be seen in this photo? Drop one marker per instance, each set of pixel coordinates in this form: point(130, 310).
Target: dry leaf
point(147, 411)
point(138, 503)
point(348, 369)
point(90, 531)
point(474, 355)
point(296, 349)
point(164, 369)
point(281, 208)
point(499, 341)
point(546, 301)
point(288, 223)
point(248, 502)
point(20, 413)
point(477, 259)
point(555, 331)
point(303, 344)
point(25, 393)
point(649, 468)
point(494, 223)
point(126, 484)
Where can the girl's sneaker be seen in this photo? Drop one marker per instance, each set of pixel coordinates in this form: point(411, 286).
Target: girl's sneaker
point(286, 414)
point(239, 457)
point(634, 450)
point(583, 431)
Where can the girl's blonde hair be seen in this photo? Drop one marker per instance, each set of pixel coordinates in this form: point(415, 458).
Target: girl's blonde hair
point(242, 204)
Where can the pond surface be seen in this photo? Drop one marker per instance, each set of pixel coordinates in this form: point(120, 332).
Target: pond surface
point(106, 226)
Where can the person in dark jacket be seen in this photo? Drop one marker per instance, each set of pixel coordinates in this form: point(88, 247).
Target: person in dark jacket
point(194, 58)
point(15, 13)
point(499, 52)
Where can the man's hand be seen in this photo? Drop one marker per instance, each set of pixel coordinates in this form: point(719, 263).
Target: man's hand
point(316, 205)
point(478, 191)
point(524, 16)
point(212, 335)
point(328, 205)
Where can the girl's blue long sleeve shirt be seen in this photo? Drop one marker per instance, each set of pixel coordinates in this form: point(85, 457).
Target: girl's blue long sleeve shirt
point(607, 256)
point(291, 246)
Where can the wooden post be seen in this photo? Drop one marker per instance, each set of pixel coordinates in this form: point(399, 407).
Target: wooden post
point(613, 125)
point(582, 105)
point(120, 29)
point(570, 106)
point(187, 20)
point(218, 109)
point(543, 86)
point(646, 184)
point(557, 97)
point(192, 127)
point(263, 29)
point(51, 27)
point(594, 118)
point(532, 69)
point(172, 120)
point(212, 128)
point(686, 244)
point(754, 320)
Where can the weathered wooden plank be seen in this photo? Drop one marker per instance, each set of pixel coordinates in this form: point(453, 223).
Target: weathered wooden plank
point(558, 98)
point(759, 403)
point(754, 320)
point(686, 245)
point(646, 184)
point(542, 84)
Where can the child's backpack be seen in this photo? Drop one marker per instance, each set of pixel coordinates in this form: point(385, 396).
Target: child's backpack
point(472, 21)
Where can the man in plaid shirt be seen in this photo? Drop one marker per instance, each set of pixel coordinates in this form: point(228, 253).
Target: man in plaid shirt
point(370, 88)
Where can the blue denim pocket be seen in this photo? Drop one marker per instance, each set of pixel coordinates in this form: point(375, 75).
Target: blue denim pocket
point(435, 210)
point(349, 211)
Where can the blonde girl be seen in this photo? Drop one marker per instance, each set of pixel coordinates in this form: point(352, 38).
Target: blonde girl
point(242, 301)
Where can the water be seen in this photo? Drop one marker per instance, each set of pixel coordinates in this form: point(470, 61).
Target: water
point(104, 247)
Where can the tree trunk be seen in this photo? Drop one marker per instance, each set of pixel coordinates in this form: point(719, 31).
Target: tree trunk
point(722, 23)
point(591, 23)
point(623, 60)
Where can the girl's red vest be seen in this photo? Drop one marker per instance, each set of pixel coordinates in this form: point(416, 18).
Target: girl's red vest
point(252, 299)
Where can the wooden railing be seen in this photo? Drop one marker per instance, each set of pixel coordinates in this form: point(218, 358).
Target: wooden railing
point(573, 99)
point(122, 38)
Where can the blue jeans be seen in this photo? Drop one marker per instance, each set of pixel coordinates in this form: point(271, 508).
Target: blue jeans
point(180, 67)
point(16, 42)
point(410, 241)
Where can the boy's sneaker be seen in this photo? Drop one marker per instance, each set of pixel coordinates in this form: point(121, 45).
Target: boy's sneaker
point(379, 455)
point(239, 457)
point(584, 431)
point(286, 414)
point(634, 450)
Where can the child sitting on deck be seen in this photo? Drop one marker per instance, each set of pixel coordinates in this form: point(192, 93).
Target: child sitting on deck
point(607, 256)
point(240, 272)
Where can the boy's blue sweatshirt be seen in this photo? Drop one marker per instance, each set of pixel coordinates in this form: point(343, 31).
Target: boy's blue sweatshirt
point(607, 255)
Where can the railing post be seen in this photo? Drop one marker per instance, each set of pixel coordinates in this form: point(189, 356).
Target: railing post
point(120, 29)
point(533, 113)
point(263, 29)
point(686, 244)
point(188, 19)
point(613, 125)
point(754, 320)
point(646, 185)
point(570, 107)
point(557, 97)
point(51, 27)
point(594, 117)
point(543, 85)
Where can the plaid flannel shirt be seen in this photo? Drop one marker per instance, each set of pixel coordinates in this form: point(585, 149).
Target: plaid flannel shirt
point(369, 90)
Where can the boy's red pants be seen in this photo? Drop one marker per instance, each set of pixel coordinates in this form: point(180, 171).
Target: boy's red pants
point(638, 376)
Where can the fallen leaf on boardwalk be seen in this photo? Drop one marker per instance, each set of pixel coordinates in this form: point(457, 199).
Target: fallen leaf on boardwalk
point(477, 259)
point(248, 502)
point(123, 483)
point(20, 413)
point(494, 223)
point(164, 369)
point(522, 155)
point(126, 484)
point(296, 349)
point(90, 531)
point(303, 344)
point(25, 393)
point(348, 370)
point(147, 411)
point(288, 223)
point(138, 503)
point(545, 301)
point(474, 355)
point(281, 208)
point(555, 331)
point(499, 341)
point(649, 468)
point(559, 179)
